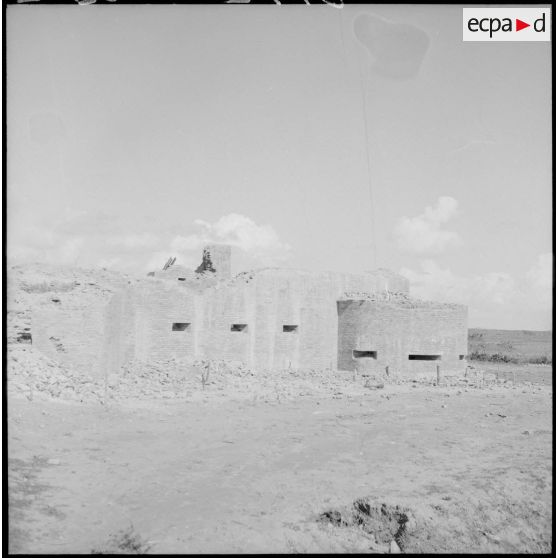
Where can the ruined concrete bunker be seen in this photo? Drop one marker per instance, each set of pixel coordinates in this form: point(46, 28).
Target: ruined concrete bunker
point(269, 318)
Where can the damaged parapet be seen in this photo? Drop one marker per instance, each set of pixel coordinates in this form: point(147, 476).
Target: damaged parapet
point(216, 259)
point(215, 266)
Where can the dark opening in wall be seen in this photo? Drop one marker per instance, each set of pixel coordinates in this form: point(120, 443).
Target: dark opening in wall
point(365, 354)
point(24, 337)
point(290, 328)
point(461, 357)
point(239, 327)
point(182, 278)
point(180, 326)
point(425, 357)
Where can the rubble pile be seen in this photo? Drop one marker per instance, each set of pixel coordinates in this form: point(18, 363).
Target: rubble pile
point(243, 276)
point(173, 378)
point(33, 375)
point(377, 297)
point(34, 286)
point(30, 373)
point(395, 297)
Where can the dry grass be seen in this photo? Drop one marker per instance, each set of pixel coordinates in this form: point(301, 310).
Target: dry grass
point(510, 346)
point(126, 541)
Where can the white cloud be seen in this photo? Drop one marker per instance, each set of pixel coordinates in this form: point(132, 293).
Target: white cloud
point(259, 241)
point(98, 239)
point(423, 234)
point(539, 279)
point(435, 283)
point(144, 240)
point(73, 239)
point(540, 274)
point(30, 243)
point(495, 299)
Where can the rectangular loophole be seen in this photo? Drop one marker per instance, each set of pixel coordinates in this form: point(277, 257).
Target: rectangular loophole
point(461, 357)
point(239, 327)
point(425, 357)
point(290, 328)
point(182, 278)
point(365, 354)
point(24, 337)
point(180, 326)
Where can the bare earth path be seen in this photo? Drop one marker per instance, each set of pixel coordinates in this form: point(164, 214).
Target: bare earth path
point(473, 466)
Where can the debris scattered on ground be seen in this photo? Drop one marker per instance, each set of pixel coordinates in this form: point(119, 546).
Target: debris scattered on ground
point(34, 374)
point(386, 525)
point(373, 385)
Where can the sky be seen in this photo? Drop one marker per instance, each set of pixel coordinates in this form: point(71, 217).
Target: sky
point(305, 136)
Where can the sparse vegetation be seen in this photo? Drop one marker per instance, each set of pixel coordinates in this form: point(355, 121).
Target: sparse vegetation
point(513, 347)
point(494, 357)
point(205, 372)
point(500, 357)
point(382, 522)
point(126, 541)
point(540, 360)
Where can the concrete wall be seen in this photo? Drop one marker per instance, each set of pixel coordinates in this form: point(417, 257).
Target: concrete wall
point(395, 330)
point(97, 332)
point(265, 301)
point(72, 331)
point(120, 336)
point(220, 256)
point(174, 272)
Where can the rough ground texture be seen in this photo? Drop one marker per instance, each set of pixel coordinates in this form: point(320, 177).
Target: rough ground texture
point(178, 457)
point(469, 467)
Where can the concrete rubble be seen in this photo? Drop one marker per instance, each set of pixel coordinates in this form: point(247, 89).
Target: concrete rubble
point(74, 292)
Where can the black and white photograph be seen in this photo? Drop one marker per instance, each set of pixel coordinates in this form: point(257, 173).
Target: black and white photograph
point(279, 277)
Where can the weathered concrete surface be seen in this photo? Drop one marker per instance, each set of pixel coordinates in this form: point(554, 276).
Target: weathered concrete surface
point(80, 324)
point(264, 301)
point(175, 272)
point(97, 329)
point(216, 259)
point(395, 329)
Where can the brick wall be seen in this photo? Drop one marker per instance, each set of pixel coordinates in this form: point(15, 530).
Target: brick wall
point(76, 331)
point(265, 301)
point(220, 255)
point(96, 333)
point(394, 331)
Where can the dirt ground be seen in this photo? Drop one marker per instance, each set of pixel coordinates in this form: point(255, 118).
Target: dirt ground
point(472, 468)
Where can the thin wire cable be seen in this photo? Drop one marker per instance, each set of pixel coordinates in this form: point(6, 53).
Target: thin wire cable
point(369, 167)
point(366, 135)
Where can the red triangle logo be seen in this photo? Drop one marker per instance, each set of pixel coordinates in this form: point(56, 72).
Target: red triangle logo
point(519, 25)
